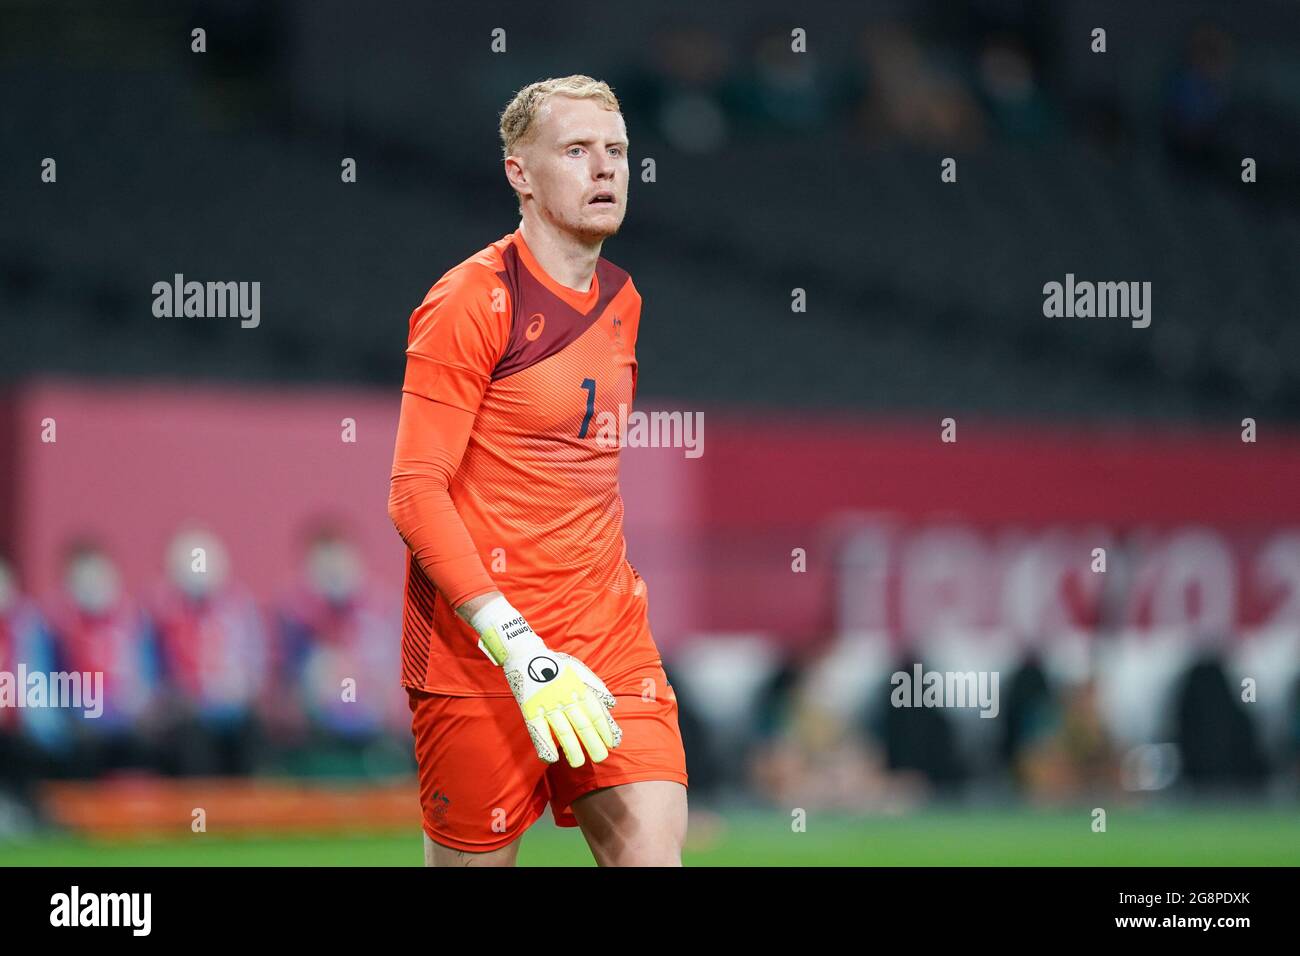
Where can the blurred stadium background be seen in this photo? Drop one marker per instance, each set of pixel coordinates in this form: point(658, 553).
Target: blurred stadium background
point(774, 171)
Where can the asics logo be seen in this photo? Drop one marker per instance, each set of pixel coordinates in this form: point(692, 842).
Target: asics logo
point(535, 327)
point(543, 669)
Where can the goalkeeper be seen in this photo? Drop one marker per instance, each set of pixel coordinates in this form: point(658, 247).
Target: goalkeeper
point(530, 670)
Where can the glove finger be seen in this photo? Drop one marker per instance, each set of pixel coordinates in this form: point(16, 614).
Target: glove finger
point(599, 718)
point(595, 683)
point(588, 731)
point(568, 739)
point(542, 742)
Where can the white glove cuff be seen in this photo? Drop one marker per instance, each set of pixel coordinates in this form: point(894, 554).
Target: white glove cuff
point(503, 632)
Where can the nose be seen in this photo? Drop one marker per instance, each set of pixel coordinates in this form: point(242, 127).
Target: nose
point(605, 165)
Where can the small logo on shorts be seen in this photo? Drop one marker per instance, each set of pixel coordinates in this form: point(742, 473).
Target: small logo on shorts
point(543, 669)
point(440, 804)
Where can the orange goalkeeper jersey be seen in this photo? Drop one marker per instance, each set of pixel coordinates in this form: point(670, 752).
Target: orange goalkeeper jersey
point(544, 370)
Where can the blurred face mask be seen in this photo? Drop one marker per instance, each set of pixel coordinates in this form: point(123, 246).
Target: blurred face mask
point(196, 564)
point(92, 583)
point(334, 572)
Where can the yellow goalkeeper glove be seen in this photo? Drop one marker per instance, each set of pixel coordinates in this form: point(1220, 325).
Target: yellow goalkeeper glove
point(557, 693)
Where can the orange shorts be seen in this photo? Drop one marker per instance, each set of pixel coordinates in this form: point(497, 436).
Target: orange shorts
point(482, 784)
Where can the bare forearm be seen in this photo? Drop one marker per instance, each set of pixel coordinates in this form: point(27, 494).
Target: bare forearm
point(469, 608)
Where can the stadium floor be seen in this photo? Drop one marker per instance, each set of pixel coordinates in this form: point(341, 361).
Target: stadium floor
point(1174, 837)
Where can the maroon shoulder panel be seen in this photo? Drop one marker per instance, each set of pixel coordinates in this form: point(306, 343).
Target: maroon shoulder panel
point(541, 323)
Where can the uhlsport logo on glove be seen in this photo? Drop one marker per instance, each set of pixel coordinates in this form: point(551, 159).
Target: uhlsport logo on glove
point(543, 669)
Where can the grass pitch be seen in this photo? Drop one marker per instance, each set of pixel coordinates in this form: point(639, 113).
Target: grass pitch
point(1173, 837)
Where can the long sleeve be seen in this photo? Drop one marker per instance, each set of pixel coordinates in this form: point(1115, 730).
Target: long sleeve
point(431, 438)
point(456, 338)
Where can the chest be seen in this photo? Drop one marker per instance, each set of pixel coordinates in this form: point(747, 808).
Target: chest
point(567, 397)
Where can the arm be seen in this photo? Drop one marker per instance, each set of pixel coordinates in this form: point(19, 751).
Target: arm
point(456, 337)
point(431, 439)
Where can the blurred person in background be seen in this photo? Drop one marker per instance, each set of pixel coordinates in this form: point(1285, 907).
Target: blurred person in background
point(810, 752)
point(1010, 91)
point(1218, 742)
point(213, 660)
point(30, 737)
point(1053, 739)
point(775, 92)
point(1087, 744)
point(910, 95)
point(340, 653)
point(100, 630)
point(1031, 709)
point(919, 739)
point(702, 752)
point(682, 84)
point(1199, 99)
point(1292, 738)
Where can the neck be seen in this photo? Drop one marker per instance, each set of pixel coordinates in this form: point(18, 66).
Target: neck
point(566, 258)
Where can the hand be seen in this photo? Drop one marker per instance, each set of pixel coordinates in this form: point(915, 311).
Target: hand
point(559, 694)
point(556, 692)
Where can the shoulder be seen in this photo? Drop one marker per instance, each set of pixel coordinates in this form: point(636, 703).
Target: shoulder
point(472, 291)
point(463, 321)
point(475, 275)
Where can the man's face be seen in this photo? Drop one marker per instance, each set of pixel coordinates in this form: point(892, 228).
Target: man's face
point(575, 166)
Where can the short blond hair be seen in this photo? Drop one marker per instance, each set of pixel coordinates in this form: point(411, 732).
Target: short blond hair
point(517, 118)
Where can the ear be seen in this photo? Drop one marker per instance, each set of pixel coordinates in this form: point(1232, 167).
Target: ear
point(517, 175)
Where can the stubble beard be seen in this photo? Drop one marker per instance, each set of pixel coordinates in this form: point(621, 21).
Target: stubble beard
point(586, 231)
